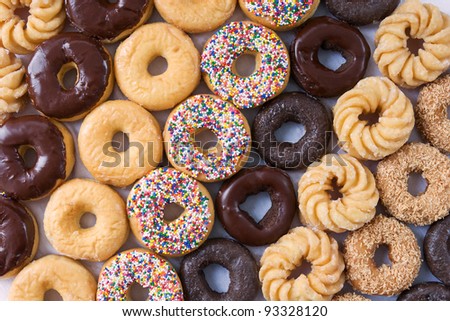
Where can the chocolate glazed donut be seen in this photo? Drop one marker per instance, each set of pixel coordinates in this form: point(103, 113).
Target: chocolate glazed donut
point(330, 34)
point(296, 107)
point(238, 223)
point(437, 247)
point(431, 291)
point(237, 259)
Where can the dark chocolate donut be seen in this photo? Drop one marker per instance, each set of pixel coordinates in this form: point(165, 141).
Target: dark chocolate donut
point(19, 182)
point(104, 20)
point(296, 107)
point(238, 223)
point(330, 34)
point(360, 13)
point(67, 50)
point(237, 259)
point(431, 291)
point(437, 249)
point(17, 235)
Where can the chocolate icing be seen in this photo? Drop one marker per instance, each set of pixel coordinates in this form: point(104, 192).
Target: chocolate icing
point(94, 65)
point(431, 291)
point(104, 20)
point(17, 234)
point(277, 220)
point(16, 180)
point(330, 34)
point(436, 249)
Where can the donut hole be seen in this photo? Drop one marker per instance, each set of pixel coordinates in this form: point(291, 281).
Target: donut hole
point(381, 256)
point(172, 211)
point(257, 205)
point(330, 56)
point(290, 132)
point(120, 142)
point(68, 76)
point(371, 118)
point(137, 292)
point(52, 295)
point(205, 140)
point(29, 156)
point(246, 64)
point(414, 44)
point(157, 66)
point(23, 13)
point(417, 184)
point(217, 277)
point(88, 220)
point(304, 268)
point(335, 191)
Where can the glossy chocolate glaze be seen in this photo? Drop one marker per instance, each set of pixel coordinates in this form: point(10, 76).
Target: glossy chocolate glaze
point(437, 249)
point(239, 223)
point(330, 34)
point(18, 182)
point(431, 291)
point(17, 234)
point(104, 20)
point(94, 70)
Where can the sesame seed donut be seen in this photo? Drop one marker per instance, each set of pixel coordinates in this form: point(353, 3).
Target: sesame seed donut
point(392, 182)
point(356, 184)
point(52, 272)
point(62, 220)
point(147, 201)
point(384, 137)
point(147, 43)
point(350, 297)
point(281, 258)
point(413, 20)
point(138, 266)
point(225, 121)
point(195, 16)
point(404, 253)
point(219, 57)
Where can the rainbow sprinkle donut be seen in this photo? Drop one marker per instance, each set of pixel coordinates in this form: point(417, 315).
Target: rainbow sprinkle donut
point(272, 70)
point(220, 117)
point(146, 204)
point(138, 266)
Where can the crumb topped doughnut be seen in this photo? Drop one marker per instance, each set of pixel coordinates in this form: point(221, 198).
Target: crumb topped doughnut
point(350, 297)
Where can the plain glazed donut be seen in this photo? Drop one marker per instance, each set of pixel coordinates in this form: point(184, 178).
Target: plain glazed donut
point(138, 266)
point(404, 253)
point(65, 209)
point(97, 152)
point(147, 201)
point(431, 291)
point(66, 276)
point(437, 250)
point(392, 182)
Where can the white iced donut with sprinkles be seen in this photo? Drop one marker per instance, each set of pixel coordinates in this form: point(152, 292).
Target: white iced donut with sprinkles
point(148, 200)
point(218, 64)
point(224, 120)
point(143, 267)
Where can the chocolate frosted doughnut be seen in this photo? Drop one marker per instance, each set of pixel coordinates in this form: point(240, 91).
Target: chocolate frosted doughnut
point(237, 259)
point(239, 223)
point(431, 291)
point(299, 108)
point(330, 34)
point(437, 247)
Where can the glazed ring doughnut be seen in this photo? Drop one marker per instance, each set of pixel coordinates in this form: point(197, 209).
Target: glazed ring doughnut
point(225, 121)
point(388, 134)
point(62, 274)
point(195, 16)
point(280, 259)
point(356, 184)
point(272, 70)
point(46, 19)
point(395, 60)
point(143, 46)
point(392, 181)
point(404, 253)
point(97, 152)
point(65, 209)
point(147, 201)
point(432, 114)
point(138, 266)
point(350, 297)
point(436, 249)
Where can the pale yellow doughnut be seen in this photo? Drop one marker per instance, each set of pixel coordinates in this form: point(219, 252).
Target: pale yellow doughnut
point(66, 276)
point(96, 151)
point(143, 46)
point(196, 16)
point(65, 209)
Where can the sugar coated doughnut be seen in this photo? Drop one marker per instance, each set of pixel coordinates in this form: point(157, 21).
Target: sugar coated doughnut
point(219, 57)
point(65, 209)
point(280, 259)
point(53, 145)
point(430, 291)
point(144, 268)
point(147, 43)
point(385, 136)
point(62, 274)
point(279, 14)
point(392, 181)
point(404, 254)
point(356, 184)
point(414, 20)
point(19, 237)
point(97, 152)
point(196, 16)
point(437, 249)
point(350, 297)
point(221, 118)
point(146, 204)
